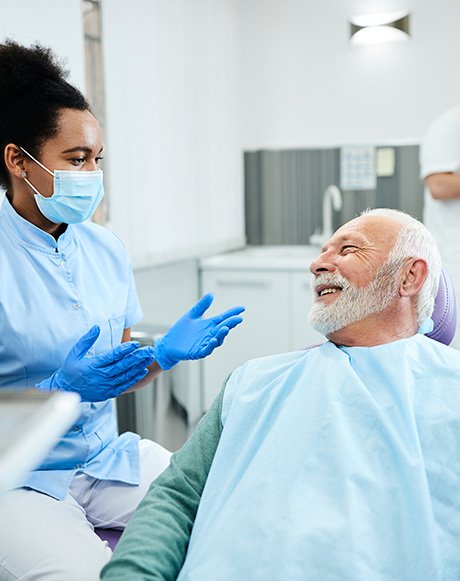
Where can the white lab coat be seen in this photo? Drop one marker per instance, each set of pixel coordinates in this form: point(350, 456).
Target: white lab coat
point(440, 152)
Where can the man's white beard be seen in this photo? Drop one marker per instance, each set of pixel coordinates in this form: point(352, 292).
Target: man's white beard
point(354, 303)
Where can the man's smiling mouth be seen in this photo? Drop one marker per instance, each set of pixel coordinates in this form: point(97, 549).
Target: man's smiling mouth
point(327, 290)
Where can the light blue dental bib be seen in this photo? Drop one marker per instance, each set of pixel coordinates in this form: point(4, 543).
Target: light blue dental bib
point(336, 464)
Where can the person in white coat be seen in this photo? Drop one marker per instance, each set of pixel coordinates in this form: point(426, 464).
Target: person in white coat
point(440, 169)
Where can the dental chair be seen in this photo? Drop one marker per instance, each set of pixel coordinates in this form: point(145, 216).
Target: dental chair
point(444, 324)
point(445, 312)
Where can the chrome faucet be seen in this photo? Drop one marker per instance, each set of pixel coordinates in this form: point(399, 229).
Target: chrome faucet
point(332, 197)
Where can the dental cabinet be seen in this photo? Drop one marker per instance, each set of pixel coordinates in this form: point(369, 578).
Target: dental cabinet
point(273, 283)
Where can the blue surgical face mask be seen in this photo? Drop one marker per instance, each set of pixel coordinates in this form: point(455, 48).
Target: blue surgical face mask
point(76, 194)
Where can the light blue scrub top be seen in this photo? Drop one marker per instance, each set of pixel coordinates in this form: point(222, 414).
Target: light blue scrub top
point(51, 293)
point(336, 464)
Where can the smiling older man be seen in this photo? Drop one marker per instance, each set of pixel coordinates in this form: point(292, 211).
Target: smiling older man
point(337, 462)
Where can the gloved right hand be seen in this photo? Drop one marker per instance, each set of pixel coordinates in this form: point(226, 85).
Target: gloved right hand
point(99, 377)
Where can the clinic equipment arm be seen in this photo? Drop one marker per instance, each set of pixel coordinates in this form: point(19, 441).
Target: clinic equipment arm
point(155, 542)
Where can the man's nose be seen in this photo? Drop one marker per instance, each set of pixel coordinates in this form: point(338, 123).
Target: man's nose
point(322, 263)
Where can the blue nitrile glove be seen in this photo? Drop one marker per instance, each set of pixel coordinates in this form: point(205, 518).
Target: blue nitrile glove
point(192, 337)
point(99, 377)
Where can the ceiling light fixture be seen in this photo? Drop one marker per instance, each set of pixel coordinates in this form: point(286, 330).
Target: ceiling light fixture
point(379, 28)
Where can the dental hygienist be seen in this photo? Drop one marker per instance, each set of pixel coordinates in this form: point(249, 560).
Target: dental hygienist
point(67, 303)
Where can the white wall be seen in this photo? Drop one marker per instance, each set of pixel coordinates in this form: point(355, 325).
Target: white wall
point(29, 21)
point(55, 23)
point(173, 137)
point(191, 83)
point(303, 83)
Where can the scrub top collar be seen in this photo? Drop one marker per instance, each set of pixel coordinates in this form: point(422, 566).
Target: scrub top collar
point(30, 235)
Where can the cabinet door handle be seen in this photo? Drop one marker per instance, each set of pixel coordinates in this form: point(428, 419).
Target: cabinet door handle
point(245, 283)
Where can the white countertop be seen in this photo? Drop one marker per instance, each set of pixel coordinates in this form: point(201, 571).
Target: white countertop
point(263, 258)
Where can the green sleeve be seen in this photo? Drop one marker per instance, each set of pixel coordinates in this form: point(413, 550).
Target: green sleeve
point(155, 542)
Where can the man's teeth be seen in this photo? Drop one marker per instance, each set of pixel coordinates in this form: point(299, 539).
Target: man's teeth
point(328, 291)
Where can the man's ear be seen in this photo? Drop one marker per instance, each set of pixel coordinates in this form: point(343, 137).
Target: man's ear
point(415, 272)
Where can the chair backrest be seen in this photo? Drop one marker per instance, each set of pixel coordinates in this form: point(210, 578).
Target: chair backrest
point(445, 311)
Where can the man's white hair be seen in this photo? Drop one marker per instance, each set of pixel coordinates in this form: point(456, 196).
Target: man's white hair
point(414, 240)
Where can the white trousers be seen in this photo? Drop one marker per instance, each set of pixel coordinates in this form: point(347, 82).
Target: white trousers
point(47, 539)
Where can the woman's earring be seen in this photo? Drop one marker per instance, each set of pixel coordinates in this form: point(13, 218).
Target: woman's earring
point(24, 174)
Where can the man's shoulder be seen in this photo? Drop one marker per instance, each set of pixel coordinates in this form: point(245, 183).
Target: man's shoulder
point(259, 377)
point(269, 364)
point(433, 347)
point(427, 357)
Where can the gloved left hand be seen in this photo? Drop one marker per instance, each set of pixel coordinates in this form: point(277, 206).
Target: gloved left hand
point(192, 337)
point(99, 377)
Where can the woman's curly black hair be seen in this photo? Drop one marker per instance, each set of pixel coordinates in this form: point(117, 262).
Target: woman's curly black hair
point(33, 90)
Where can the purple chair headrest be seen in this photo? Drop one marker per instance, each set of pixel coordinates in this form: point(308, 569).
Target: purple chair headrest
point(445, 311)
